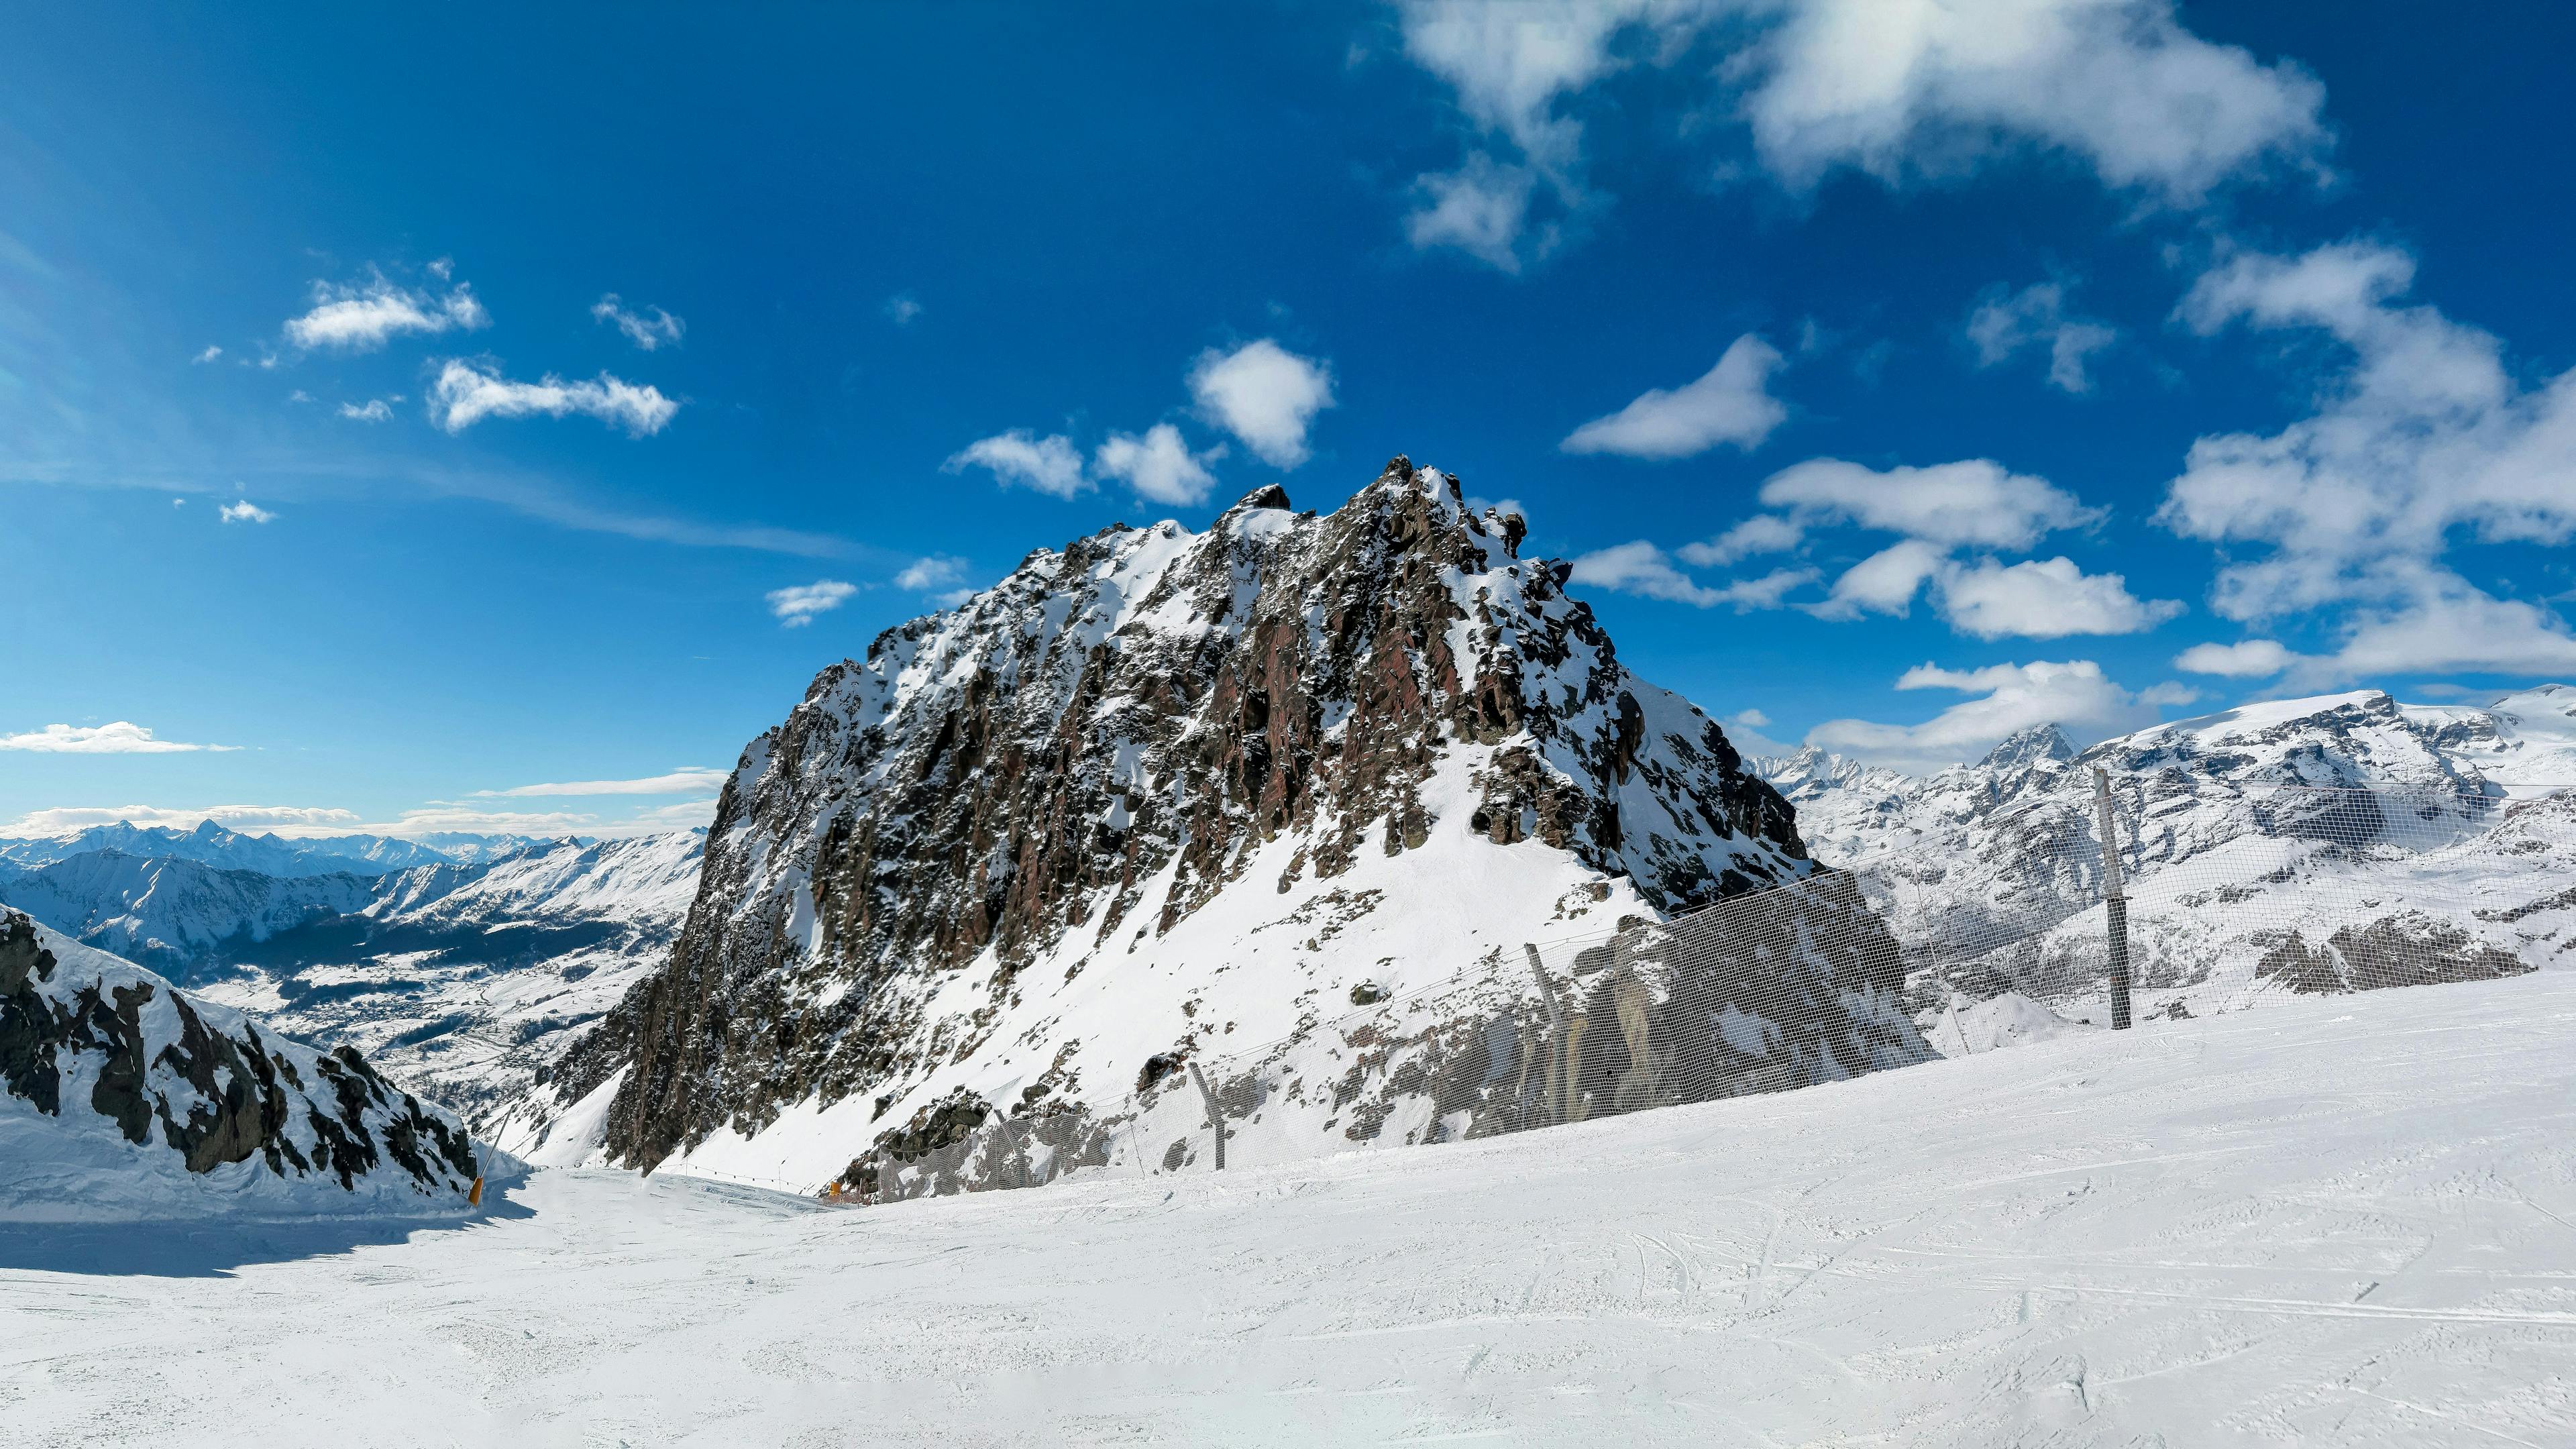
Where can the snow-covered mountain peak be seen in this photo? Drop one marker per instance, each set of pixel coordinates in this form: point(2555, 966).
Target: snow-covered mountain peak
point(2037, 745)
point(1116, 805)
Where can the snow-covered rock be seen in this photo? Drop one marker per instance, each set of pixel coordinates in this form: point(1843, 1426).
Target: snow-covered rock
point(123, 1098)
point(1162, 796)
point(212, 844)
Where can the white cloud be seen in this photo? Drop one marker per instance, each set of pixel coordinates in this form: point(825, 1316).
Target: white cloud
point(797, 606)
point(677, 782)
point(900, 309)
point(245, 512)
point(1265, 395)
point(1762, 533)
point(1883, 583)
point(1482, 209)
point(1750, 719)
point(1899, 89)
point(1049, 464)
point(468, 392)
point(2247, 659)
point(362, 318)
point(210, 354)
point(2074, 695)
point(377, 410)
point(645, 332)
point(1730, 403)
point(934, 572)
point(1159, 465)
point(121, 738)
point(2420, 439)
point(2003, 325)
point(1974, 503)
point(299, 396)
point(1643, 569)
point(2045, 600)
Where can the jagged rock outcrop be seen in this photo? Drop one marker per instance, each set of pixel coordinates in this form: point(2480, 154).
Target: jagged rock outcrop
point(122, 1097)
point(1158, 793)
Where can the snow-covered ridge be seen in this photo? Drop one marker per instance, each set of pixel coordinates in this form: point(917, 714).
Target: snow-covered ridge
point(212, 844)
point(126, 1098)
point(1155, 793)
point(2318, 844)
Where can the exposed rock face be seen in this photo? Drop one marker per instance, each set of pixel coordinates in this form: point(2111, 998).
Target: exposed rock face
point(1184, 764)
point(111, 1053)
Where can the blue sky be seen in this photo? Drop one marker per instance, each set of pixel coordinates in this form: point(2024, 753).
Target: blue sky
point(460, 415)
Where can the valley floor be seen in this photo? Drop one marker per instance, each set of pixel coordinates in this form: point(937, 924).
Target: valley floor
point(2339, 1222)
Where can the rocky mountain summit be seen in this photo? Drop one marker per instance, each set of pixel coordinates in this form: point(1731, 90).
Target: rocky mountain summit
point(1159, 795)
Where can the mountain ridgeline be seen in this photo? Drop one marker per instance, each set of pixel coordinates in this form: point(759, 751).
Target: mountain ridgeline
point(1160, 793)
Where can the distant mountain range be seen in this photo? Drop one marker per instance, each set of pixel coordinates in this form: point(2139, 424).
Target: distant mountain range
point(212, 844)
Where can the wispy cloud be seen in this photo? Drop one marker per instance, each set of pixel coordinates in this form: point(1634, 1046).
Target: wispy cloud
point(375, 410)
point(468, 392)
point(797, 607)
point(2004, 324)
point(649, 333)
point(687, 781)
point(284, 819)
point(210, 354)
point(245, 512)
point(362, 318)
point(900, 309)
point(121, 738)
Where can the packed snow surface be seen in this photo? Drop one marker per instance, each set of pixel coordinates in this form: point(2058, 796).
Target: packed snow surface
point(2333, 1222)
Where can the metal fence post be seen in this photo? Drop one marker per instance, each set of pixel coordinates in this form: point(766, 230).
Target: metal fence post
point(1215, 1117)
point(1555, 1030)
point(2115, 899)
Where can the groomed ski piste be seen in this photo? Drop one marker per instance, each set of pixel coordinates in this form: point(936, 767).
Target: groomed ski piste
point(2336, 1221)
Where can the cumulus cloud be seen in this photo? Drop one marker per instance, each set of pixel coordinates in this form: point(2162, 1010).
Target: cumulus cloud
point(121, 738)
point(1642, 568)
point(688, 781)
point(2247, 659)
point(467, 392)
point(245, 511)
point(2045, 600)
point(1974, 503)
point(361, 318)
point(646, 332)
point(1159, 465)
point(2036, 316)
point(798, 605)
point(1730, 403)
point(1883, 583)
point(901, 308)
point(375, 410)
point(1264, 395)
point(2074, 695)
point(1049, 464)
point(1901, 92)
point(2421, 438)
point(934, 572)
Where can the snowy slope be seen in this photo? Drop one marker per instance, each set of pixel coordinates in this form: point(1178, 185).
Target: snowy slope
point(2340, 1225)
point(172, 912)
point(1163, 795)
point(124, 1099)
point(2291, 846)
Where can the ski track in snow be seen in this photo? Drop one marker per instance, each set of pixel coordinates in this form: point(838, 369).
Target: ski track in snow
point(2330, 1223)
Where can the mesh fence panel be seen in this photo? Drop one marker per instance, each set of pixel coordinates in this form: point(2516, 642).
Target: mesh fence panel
point(2234, 896)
